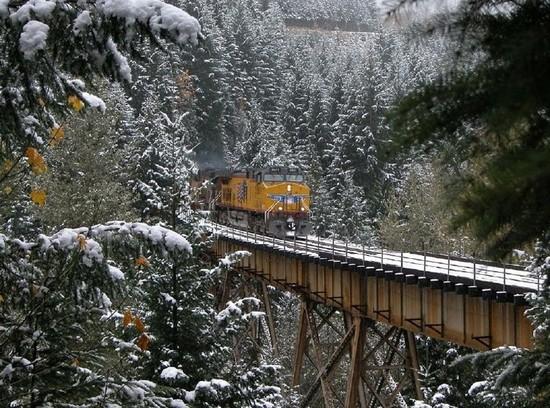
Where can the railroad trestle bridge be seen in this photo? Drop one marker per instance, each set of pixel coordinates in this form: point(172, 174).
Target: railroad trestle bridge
point(385, 297)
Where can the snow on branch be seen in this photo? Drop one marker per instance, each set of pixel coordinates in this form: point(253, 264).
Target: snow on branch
point(33, 38)
point(235, 310)
point(155, 14)
point(159, 16)
point(86, 238)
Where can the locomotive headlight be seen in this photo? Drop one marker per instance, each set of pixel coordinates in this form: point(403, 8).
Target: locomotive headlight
point(280, 208)
point(303, 209)
point(289, 188)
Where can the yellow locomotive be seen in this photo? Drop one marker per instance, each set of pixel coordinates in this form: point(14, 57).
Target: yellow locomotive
point(271, 200)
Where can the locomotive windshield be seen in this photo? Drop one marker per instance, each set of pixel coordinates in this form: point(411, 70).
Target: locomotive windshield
point(274, 177)
point(284, 177)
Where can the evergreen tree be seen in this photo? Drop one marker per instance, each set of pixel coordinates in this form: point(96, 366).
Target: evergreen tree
point(163, 165)
point(43, 57)
point(87, 178)
point(64, 337)
point(492, 107)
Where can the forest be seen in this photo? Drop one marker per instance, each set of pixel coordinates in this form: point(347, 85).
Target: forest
point(416, 134)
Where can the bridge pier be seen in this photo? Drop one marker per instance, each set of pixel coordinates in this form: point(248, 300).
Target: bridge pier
point(382, 361)
point(374, 343)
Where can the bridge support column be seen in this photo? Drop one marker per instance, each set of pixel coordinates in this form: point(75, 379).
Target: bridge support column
point(412, 359)
point(356, 366)
point(301, 346)
point(382, 360)
point(270, 321)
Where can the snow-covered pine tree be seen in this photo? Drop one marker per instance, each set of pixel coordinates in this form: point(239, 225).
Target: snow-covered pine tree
point(87, 181)
point(46, 61)
point(64, 337)
point(208, 70)
point(164, 165)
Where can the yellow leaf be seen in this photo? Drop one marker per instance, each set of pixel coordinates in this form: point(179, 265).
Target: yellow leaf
point(139, 325)
point(38, 197)
point(81, 241)
point(75, 362)
point(41, 102)
point(57, 133)
point(127, 318)
point(142, 261)
point(1, 298)
point(36, 161)
point(143, 342)
point(75, 103)
point(7, 190)
point(7, 165)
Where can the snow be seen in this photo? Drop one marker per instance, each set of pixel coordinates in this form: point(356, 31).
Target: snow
point(235, 309)
point(177, 403)
point(220, 384)
point(168, 299)
point(451, 353)
point(476, 388)
point(107, 303)
point(78, 84)
point(23, 362)
point(134, 393)
point(190, 396)
point(33, 38)
point(443, 391)
point(92, 253)
point(158, 15)
point(175, 241)
point(64, 239)
point(126, 345)
point(120, 60)
point(7, 371)
point(421, 404)
point(172, 374)
point(4, 11)
point(84, 371)
point(115, 273)
point(94, 101)
point(41, 9)
point(81, 22)
point(24, 246)
point(156, 234)
point(234, 257)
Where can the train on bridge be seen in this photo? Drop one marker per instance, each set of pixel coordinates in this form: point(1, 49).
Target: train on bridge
point(274, 201)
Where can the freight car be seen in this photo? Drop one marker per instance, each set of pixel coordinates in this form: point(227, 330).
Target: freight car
point(275, 201)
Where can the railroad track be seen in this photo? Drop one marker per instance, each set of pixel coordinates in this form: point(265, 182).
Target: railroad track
point(427, 264)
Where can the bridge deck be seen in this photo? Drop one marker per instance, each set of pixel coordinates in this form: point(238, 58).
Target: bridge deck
point(484, 274)
point(463, 301)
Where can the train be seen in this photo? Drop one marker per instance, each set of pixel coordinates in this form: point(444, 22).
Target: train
point(273, 201)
